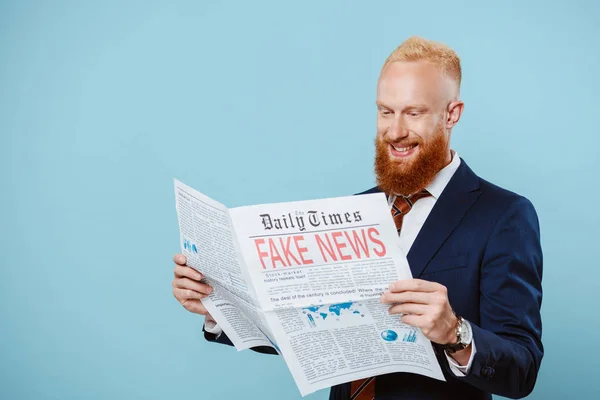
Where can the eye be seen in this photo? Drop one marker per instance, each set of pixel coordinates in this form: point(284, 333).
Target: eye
point(385, 112)
point(414, 113)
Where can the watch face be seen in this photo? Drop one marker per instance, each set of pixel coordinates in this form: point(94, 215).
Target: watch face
point(466, 334)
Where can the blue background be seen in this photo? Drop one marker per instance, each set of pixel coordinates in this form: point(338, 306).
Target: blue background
point(103, 103)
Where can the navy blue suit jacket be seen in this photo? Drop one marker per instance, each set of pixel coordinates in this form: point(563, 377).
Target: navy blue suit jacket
point(483, 243)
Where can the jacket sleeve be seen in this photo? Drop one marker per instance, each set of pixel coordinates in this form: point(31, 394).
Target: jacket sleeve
point(223, 339)
point(509, 346)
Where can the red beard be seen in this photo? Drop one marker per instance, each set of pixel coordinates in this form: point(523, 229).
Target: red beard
point(409, 177)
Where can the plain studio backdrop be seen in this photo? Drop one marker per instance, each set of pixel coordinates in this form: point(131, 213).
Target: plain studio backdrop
point(103, 103)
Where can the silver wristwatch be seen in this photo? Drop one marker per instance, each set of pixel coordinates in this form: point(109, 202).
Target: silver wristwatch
point(464, 336)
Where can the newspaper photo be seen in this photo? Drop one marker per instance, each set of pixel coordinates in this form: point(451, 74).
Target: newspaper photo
point(305, 278)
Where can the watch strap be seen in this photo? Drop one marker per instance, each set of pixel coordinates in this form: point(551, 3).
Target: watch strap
point(459, 345)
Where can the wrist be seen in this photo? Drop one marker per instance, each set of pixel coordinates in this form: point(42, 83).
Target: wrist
point(462, 337)
point(452, 338)
point(463, 356)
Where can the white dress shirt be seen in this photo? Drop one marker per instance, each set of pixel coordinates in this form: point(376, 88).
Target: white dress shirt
point(411, 225)
point(210, 326)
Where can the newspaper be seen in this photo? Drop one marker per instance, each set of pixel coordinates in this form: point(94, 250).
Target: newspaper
point(305, 278)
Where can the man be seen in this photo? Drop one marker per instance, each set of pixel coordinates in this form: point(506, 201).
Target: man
point(473, 248)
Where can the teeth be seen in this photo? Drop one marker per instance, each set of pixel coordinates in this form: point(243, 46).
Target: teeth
point(403, 149)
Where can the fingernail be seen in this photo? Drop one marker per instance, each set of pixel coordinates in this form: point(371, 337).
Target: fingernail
point(392, 286)
point(181, 259)
point(210, 290)
point(198, 277)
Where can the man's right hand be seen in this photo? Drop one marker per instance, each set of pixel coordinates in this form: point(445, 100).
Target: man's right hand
point(187, 288)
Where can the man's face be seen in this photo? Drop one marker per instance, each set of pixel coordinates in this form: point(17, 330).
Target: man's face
point(413, 135)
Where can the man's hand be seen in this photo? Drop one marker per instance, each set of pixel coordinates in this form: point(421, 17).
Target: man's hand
point(425, 305)
point(187, 288)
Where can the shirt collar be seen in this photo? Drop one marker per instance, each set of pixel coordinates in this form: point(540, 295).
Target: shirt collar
point(441, 179)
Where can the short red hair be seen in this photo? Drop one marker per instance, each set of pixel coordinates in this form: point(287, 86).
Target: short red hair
point(419, 49)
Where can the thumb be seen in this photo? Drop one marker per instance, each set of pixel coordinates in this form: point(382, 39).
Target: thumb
point(180, 259)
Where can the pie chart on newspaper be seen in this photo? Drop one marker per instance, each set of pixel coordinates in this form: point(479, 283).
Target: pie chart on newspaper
point(330, 315)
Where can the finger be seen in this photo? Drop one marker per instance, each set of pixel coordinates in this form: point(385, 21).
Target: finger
point(407, 297)
point(414, 285)
point(186, 283)
point(187, 272)
point(183, 295)
point(409, 308)
point(415, 320)
point(179, 259)
point(195, 306)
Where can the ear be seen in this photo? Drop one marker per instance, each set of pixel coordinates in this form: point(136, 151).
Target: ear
point(455, 110)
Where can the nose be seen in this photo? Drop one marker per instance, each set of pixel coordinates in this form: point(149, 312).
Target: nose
point(397, 131)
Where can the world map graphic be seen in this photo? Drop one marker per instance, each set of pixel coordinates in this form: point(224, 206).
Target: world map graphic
point(332, 314)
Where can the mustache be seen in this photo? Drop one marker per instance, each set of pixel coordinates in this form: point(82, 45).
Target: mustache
point(403, 144)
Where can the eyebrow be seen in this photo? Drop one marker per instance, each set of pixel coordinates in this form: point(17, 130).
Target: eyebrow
point(422, 107)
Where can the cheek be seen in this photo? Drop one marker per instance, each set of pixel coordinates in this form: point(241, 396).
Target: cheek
point(424, 130)
point(382, 128)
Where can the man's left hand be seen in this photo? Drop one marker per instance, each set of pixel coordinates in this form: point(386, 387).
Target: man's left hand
point(425, 305)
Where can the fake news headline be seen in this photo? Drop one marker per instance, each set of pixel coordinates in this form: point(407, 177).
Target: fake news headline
point(332, 240)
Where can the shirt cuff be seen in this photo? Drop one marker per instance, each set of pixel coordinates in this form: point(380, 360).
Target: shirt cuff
point(462, 370)
point(210, 326)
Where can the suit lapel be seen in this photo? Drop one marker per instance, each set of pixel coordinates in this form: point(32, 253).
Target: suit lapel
point(452, 205)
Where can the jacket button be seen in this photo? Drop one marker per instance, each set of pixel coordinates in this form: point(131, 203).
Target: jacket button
point(488, 372)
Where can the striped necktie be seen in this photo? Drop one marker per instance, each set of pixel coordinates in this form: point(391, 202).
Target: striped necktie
point(364, 389)
point(402, 205)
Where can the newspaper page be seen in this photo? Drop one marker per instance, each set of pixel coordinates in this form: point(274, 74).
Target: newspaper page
point(305, 278)
point(319, 251)
point(208, 241)
point(331, 344)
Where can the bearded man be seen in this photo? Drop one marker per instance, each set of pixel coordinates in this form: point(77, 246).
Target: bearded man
point(473, 248)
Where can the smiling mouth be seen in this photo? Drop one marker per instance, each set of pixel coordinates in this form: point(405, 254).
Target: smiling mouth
point(404, 149)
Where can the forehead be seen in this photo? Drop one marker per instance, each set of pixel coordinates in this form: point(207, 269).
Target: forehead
point(412, 82)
